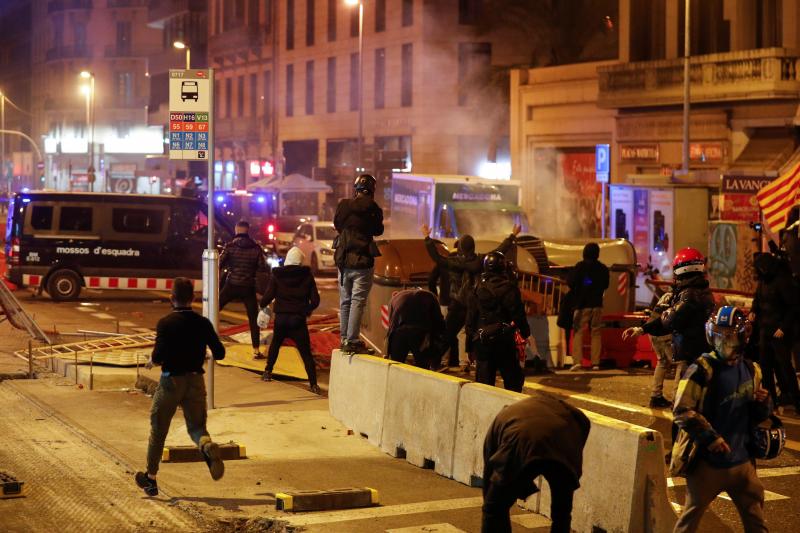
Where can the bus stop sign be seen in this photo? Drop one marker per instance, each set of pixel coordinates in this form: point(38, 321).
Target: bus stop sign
point(190, 101)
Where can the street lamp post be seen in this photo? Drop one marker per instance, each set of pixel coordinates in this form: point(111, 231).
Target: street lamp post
point(3, 137)
point(90, 106)
point(180, 45)
point(360, 4)
point(686, 93)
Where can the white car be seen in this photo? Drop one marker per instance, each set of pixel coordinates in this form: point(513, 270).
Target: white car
point(315, 240)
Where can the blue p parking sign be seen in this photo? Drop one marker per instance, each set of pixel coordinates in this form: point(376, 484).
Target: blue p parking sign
point(602, 157)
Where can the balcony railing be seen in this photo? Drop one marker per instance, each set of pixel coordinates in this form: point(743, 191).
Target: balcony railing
point(161, 10)
point(235, 39)
point(131, 51)
point(127, 3)
point(244, 128)
point(769, 73)
point(61, 5)
point(68, 52)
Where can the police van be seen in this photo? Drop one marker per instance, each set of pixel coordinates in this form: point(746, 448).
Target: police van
point(61, 241)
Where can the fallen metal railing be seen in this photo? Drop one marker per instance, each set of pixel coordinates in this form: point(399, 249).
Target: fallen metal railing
point(17, 316)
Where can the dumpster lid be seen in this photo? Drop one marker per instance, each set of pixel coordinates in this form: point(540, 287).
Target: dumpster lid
point(404, 261)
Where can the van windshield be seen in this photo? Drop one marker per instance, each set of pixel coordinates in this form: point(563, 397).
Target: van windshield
point(477, 222)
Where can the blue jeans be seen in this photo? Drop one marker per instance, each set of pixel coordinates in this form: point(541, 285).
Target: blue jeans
point(354, 286)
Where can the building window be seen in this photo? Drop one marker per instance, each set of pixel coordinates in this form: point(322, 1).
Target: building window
point(123, 37)
point(408, 12)
point(407, 72)
point(380, 78)
point(769, 26)
point(228, 97)
point(219, 16)
point(240, 97)
point(268, 16)
point(474, 62)
point(468, 11)
point(331, 89)
point(354, 21)
point(354, 82)
point(253, 95)
point(648, 35)
point(309, 87)
point(124, 88)
point(289, 90)
point(233, 14)
point(290, 24)
point(310, 14)
point(332, 20)
point(380, 16)
point(79, 31)
point(268, 97)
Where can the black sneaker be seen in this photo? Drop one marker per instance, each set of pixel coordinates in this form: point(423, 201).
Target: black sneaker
point(359, 347)
point(315, 389)
point(215, 465)
point(145, 482)
point(347, 348)
point(266, 376)
point(659, 402)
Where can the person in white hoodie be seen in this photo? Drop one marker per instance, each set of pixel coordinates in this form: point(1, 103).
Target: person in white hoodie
point(294, 291)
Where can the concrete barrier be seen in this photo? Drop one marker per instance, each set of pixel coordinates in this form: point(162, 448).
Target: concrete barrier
point(419, 417)
point(357, 393)
point(624, 485)
point(477, 407)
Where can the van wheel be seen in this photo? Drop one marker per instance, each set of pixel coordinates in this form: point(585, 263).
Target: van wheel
point(63, 285)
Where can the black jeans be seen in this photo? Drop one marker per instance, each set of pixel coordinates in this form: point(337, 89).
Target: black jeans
point(499, 355)
point(246, 295)
point(498, 499)
point(454, 321)
point(293, 327)
point(776, 362)
point(410, 339)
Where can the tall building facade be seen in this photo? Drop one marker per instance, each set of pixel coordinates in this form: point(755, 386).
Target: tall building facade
point(110, 40)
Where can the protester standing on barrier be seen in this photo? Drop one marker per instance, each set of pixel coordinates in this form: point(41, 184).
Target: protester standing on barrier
point(358, 221)
point(775, 311)
point(588, 281)
point(180, 349)
point(494, 313)
point(416, 325)
point(294, 290)
point(719, 403)
point(691, 305)
point(243, 259)
point(463, 270)
point(537, 436)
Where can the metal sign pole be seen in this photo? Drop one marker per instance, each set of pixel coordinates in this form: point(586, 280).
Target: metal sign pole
point(603, 210)
point(211, 256)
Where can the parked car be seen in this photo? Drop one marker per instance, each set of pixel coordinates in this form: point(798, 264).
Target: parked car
point(284, 229)
point(315, 239)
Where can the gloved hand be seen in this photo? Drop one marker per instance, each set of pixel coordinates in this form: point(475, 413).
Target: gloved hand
point(632, 332)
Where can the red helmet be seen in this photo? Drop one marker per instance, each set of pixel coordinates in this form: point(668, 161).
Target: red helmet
point(688, 260)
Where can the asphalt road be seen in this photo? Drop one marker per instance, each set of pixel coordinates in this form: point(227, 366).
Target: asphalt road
point(619, 394)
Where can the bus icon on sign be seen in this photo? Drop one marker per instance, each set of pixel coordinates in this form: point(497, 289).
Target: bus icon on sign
point(188, 91)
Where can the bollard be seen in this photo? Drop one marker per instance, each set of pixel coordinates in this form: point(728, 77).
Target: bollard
point(117, 326)
point(30, 359)
point(91, 371)
point(76, 366)
point(52, 361)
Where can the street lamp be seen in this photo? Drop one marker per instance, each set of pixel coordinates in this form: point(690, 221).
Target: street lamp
point(180, 45)
point(360, 4)
point(88, 91)
point(686, 95)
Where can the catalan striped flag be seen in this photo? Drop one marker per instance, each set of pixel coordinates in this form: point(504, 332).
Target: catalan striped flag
point(777, 198)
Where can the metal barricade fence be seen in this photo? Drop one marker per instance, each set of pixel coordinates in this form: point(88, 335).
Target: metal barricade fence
point(541, 294)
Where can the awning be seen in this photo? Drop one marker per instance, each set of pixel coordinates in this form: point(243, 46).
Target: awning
point(766, 152)
point(289, 184)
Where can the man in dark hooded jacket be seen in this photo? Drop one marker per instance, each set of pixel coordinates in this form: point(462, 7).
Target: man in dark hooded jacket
point(358, 221)
point(294, 290)
point(494, 313)
point(416, 325)
point(588, 282)
point(463, 270)
point(243, 258)
point(775, 310)
point(537, 436)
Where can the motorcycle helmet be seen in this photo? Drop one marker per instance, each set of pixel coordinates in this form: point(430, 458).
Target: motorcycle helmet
point(494, 262)
point(727, 331)
point(769, 440)
point(687, 261)
point(365, 183)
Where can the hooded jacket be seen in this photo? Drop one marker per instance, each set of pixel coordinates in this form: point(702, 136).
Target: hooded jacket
point(495, 300)
point(589, 279)
point(416, 309)
point(243, 257)
point(685, 318)
point(776, 300)
point(294, 290)
point(358, 221)
point(531, 432)
point(465, 267)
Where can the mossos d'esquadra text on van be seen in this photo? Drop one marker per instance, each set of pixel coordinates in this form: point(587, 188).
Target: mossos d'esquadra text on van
point(99, 250)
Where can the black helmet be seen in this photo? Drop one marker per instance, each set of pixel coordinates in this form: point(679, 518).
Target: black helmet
point(769, 438)
point(365, 183)
point(494, 262)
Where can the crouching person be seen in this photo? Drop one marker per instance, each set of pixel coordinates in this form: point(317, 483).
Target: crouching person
point(537, 436)
point(416, 325)
point(181, 341)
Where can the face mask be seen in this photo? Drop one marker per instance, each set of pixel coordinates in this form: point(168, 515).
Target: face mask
point(728, 346)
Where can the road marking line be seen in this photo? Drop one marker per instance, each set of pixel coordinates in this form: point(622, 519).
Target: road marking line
point(769, 496)
point(85, 309)
point(531, 520)
point(428, 528)
point(762, 473)
point(383, 512)
point(664, 414)
point(103, 316)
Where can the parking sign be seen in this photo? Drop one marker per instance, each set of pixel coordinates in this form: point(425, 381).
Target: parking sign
point(602, 156)
point(190, 108)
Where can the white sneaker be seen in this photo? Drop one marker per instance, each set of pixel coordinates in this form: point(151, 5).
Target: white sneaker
point(575, 368)
point(596, 367)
